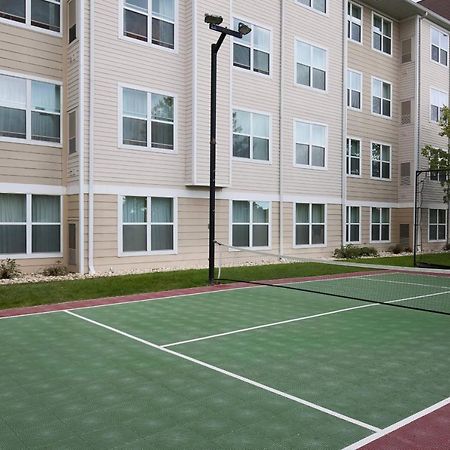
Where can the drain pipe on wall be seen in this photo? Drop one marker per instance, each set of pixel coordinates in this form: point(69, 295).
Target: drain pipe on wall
point(344, 126)
point(280, 138)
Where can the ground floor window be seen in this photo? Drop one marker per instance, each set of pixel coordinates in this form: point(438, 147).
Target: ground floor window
point(437, 225)
point(30, 224)
point(250, 223)
point(352, 224)
point(147, 224)
point(309, 224)
point(381, 225)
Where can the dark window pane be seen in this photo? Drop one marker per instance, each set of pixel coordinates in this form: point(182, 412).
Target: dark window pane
point(354, 233)
point(303, 75)
point(261, 62)
point(13, 10)
point(241, 146)
point(13, 239)
point(45, 127)
point(433, 233)
point(356, 99)
point(302, 154)
point(162, 135)
point(260, 235)
point(318, 234)
point(302, 235)
point(385, 232)
point(376, 105)
point(72, 33)
point(435, 113)
point(318, 156)
point(12, 123)
point(387, 108)
point(45, 15)
point(163, 33)
point(377, 41)
point(241, 56)
point(162, 237)
point(46, 239)
point(435, 53)
point(387, 45)
point(241, 235)
point(356, 32)
point(135, 25)
point(441, 232)
point(319, 79)
point(134, 238)
point(354, 169)
point(261, 149)
point(385, 170)
point(376, 169)
point(134, 132)
point(375, 232)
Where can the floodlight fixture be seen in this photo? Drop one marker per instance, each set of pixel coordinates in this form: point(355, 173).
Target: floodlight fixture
point(244, 29)
point(211, 19)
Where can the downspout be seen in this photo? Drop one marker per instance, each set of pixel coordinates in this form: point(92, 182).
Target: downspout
point(280, 138)
point(91, 141)
point(344, 125)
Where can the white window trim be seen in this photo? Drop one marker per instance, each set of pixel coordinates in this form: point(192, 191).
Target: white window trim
point(440, 31)
point(325, 224)
point(360, 92)
point(311, 8)
point(305, 166)
point(251, 46)
point(348, 223)
point(29, 224)
point(122, 36)
point(437, 224)
point(148, 149)
point(77, 26)
point(360, 157)
point(382, 116)
point(27, 25)
point(380, 178)
point(380, 224)
point(251, 160)
point(431, 104)
point(121, 253)
point(391, 38)
point(359, 22)
point(28, 140)
point(250, 224)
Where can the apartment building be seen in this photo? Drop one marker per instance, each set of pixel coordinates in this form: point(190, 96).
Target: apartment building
point(322, 111)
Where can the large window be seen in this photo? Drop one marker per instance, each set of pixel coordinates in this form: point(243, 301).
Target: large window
point(23, 101)
point(45, 14)
point(381, 97)
point(251, 135)
point(147, 224)
point(311, 66)
point(147, 120)
point(250, 223)
point(30, 224)
point(309, 224)
point(354, 89)
point(438, 100)
point(437, 225)
point(318, 5)
point(381, 161)
point(381, 224)
point(353, 224)
point(353, 157)
point(252, 52)
point(310, 144)
point(382, 34)
point(150, 21)
point(439, 47)
point(354, 22)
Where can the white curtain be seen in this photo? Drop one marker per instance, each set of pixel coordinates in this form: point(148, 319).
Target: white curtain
point(164, 9)
point(46, 209)
point(13, 92)
point(134, 210)
point(12, 208)
point(162, 210)
point(45, 96)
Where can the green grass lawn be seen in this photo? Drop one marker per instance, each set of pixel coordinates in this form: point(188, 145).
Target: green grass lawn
point(408, 260)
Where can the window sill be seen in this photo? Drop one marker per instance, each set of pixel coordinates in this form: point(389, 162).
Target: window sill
point(388, 180)
point(149, 44)
point(310, 88)
point(32, 256)
point(25, 26)
point(250, 160)
point(310, 246)
point(303, 166)
point(381, 116)
point(148, 150)
point(30, 142)
point(155, 253)
point(252, 72)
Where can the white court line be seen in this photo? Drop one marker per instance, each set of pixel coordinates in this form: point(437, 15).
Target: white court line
point(298, 319)
point(396, 426)
point(231, 374)
point(407, 282)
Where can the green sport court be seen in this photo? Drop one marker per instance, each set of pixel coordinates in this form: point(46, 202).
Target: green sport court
point(244, 367)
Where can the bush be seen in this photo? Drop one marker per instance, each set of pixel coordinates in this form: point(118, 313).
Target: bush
point(447, 247)
point(352, 252)
point(58, 270)
point(396, 249)
point(9, 269)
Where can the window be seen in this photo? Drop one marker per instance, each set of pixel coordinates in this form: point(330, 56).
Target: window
point(382, 34)
point(311, 66)
point(381, 224)
point(252, 52)
point(45, 14)
point(354, 89)
point(139, 22)
point(251, 135)
point(30, 224)
point(406, 50)
point(23, 100)
point(72, 244)
point(250, 224)
point(72, 20)
point(437, 225)
point(406, 112)
point(310, 144)
point(381, 97)
point(354, 22)
point(72, 132)
point(148, 120)
point(437, 175)
point(318, 5)
point(438, 99)
point(147, 224)
point(353, 157)
point(309, 224)
point(439, 47)
point(381, 161)
point(352, 224)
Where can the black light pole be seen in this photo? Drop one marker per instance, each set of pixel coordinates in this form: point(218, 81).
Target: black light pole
point(214, 24)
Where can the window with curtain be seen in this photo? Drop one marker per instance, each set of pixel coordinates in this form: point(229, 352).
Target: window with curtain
point(46, 224)
point(381, 224)
point(311, 66)
point(250, 223)
point(156, 18)
point(381, 161)
point(252, 52)
point(147, 120)
point(353, 157)
point(354, 89)
point(354, 22)
point(353, 224)
point(251, 135)
point(438, 100)
point(13, 107)
point(439, 46)
point(437, 225)
point(72, 20)
point(147, 224)
point(381, 34)
point(318, 5)
point(310, 144)
point(13, 224)
point(381, 97)
point(309, 224)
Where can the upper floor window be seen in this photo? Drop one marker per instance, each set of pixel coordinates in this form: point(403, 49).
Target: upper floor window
point(437, 225)
point(381, 97)
point(439, 47)
point(311, 66)
point(438, 100)
point(250, 223)
point(318, 5)
point(45, 14)
point(251, 135)
point(354, 22)
point(72, 20)
point(380, 225)
point(147, 120)
point(30, 110)
point(309, 224)
point(72, 132)
point(381, 161)
point(310, 144)
point(382, 34)
point(354, 89)
point(150, 21)
point(353, 157)
point(252, 52)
